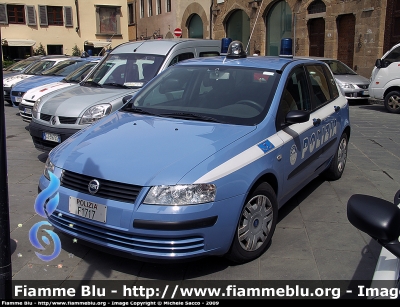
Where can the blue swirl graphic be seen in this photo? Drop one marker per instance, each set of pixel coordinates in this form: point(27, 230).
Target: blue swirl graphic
point(47, 193)
point(35, 241)
point(40, 202)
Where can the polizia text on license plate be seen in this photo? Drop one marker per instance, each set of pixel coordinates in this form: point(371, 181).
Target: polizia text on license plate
point(87, 209)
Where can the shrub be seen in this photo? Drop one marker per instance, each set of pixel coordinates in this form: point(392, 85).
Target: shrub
point(76, 51)
point(39, 50)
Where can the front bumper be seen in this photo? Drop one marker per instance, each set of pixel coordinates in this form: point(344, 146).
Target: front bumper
point(149, 231)
point(37, 130)
point(16, 97)
point(356, 94)
point(25, 112)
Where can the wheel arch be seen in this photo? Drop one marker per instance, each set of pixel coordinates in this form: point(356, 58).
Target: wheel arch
point(391, 89)
point(268, 178)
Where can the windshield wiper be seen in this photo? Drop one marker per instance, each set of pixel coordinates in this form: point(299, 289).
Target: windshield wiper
point(139, 110)
point(116, 84)
point(92, 83)
point(184, 115)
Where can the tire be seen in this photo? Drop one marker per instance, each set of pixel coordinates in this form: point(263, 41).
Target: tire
point(392, 102)
point(338, 163)
point(256, 225)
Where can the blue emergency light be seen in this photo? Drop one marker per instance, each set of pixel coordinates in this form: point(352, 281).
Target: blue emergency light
point(286, 47)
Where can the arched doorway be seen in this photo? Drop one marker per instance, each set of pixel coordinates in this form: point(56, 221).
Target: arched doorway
point(346, 26)
point(279, 25)
point(238, 27)
point(195, 27)
point(392, 28)
point(316, 34)
point(316, 29)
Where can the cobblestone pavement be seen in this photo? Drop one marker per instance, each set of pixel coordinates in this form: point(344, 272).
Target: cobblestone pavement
point(313, 240)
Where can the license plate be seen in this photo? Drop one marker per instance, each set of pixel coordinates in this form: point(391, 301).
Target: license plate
point(87, 209)
point(365, 92)
point(28, 111)
point(51, 137)
point(18, 99)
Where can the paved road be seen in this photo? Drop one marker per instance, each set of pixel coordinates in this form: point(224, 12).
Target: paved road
point(313, 239)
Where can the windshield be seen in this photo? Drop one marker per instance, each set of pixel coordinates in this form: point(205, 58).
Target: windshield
point(234, 95)
point(339, 68)
point(20, 65)
point(126, 70)
point(40, 66)
point(79, 74)
point(64, 68)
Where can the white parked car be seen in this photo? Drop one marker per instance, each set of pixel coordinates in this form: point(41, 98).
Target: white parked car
point(35, 94)
point(36, 69)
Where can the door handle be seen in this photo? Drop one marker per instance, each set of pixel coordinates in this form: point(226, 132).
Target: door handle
point(316, 121)
point(337, 108)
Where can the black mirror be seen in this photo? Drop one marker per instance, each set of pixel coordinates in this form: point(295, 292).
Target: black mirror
point(126, 99)
point(378, 63)
point(297, 116)
point(378, 218)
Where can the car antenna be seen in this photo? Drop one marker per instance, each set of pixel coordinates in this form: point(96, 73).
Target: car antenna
point(134, 50)
point(248, 43)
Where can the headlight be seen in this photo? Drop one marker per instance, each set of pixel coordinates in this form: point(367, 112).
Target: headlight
point(346, 85)
point(181, 195)
point(35, 109)
point(95, 113)
point(48, 167)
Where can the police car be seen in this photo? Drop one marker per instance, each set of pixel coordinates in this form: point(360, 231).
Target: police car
point(200, 161)
point(36, 93)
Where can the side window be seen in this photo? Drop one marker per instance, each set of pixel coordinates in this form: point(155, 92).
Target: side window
point(319, 84)
point(332, 83)
point(208, 54)
point(393, 56)
point(181, 57)
point(295, 96)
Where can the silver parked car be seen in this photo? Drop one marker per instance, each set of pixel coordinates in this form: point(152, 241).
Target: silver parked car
point(126, 69)
point(352, 85)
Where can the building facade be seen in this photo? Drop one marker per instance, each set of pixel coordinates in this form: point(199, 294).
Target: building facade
point(356, 32)
point(91, 25)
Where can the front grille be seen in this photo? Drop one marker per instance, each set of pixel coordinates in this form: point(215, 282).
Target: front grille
point(108, 189)
point(67, 120)
point(126, 241)
point(18, 94)
point(45, 117)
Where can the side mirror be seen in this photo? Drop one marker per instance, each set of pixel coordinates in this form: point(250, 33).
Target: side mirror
point(126, 99)
point(378, 63)
point(378, 218)
point(297, 116)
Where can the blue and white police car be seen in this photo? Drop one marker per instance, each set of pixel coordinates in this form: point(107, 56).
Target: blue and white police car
point(201, 159)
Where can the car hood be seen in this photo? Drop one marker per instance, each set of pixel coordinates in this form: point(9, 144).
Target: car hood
point(74, 101)
point(10, 81)
point(36, 81)
point(146, 150)
point(355, 79)
point(39, 91)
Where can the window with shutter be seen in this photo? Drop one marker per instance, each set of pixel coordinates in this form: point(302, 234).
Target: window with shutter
point(43, 15)
point(30, 15)
point(68, 16)
point(3, 14)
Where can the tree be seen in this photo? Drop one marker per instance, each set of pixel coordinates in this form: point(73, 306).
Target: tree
point(39, 50)
point(76, 51)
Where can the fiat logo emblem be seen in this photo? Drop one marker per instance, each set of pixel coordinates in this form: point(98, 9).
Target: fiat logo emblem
point(93, 186)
